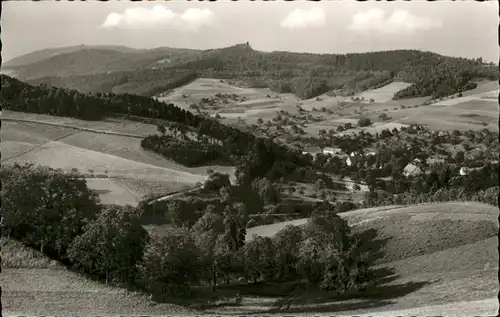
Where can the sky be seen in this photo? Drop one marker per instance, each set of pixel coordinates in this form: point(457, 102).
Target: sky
point(462, 28)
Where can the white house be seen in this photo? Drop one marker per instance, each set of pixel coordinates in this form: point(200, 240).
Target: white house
point(411, 170)
point(348, 161)
point(464, 171)
point(332, 150)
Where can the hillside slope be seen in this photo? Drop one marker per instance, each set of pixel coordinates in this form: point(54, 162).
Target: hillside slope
point(412, 231)
point(460, 275)
point(87, 60)
point(35, 285)
point(441, 253)
point(43, 54)
point(306, 75)
point(415, 230)
point(131, 172)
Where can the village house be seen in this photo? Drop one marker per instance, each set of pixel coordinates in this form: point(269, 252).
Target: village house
point(464, 171)
point(348, 161)
point(332, 150)
point(434, 160)
point(412, 170)
point(313, 150)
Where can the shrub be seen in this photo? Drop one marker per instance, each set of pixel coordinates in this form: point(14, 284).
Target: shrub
point(364, 122)
point(383, 116)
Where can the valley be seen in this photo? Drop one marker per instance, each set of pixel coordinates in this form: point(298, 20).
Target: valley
point(238, 172)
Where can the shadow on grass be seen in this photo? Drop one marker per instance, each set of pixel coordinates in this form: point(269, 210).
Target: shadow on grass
point(382, 291)
point(298, 297)
point(101, 191)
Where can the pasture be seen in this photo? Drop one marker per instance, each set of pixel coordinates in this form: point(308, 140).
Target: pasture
point(42, 291)
point(57, 154)
point(383, 94)
point(442, 253)
point(34, 284)
point(108, 125)
point(475, 110)
point(118, 157)
point(469, 115)
point(201, 88)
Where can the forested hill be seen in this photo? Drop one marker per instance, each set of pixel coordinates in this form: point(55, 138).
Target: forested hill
point(306, 75)
point(88, 60)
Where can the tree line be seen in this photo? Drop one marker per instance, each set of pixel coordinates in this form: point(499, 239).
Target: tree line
point(306, 75)
point(55, 212)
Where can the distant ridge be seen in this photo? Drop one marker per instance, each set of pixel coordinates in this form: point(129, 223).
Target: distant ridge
point(150, 72)
point(39, 55)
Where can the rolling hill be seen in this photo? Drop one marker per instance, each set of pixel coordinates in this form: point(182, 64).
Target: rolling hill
point(40, 55)
point(442, 253)
point(87, 60)
point(32, 284)
point(148, 72)
point(451, 249)
point(130, 173)
point(453, 275)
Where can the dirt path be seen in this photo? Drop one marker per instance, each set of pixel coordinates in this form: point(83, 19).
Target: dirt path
point(171, 195)
point(37, 146)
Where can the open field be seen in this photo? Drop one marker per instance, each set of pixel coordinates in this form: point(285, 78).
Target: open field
point(61, 292)
point(252, 103)
point(473, 115)
point(143, 188)
point(130, 148)
point(109, 125)
point(118, 157)
point(204, 87)
point(18, 137)
point(34, 284)
point(441, 253)
point(435, 227)
point(384, 93)
point(484, 87)
point(486, 307)
point(209, 87)
point(60, 155)
point(112, 192)
point(475, 110)
point(16, 256)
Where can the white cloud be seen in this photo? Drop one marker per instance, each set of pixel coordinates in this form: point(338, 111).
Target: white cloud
point(158, 17)
point(400, 21)
point(299, 19)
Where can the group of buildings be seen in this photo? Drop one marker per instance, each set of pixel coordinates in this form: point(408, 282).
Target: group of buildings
point(413, 168)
